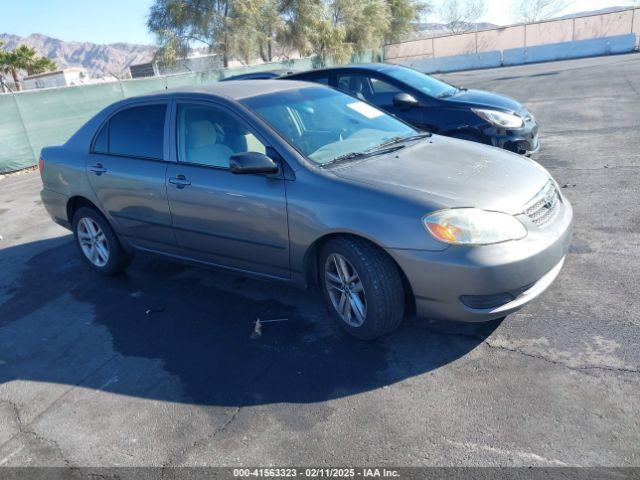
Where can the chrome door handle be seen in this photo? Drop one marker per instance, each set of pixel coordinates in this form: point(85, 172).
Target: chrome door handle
point(180, 181)
point(98, 169)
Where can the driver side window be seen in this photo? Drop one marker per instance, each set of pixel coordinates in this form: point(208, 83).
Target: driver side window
point(368, 88)
point(210, 136)
point(356, 84)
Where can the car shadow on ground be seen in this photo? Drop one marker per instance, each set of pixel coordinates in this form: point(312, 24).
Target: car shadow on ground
point(164, 323)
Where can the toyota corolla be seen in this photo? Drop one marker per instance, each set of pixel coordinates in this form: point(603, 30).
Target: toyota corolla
point(300, 183)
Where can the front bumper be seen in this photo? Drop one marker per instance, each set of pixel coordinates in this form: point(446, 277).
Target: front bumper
point(523, 141)
point(518, 271)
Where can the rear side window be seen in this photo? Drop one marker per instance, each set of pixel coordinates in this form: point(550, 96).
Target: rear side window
point(101, 145)
point(136, 132)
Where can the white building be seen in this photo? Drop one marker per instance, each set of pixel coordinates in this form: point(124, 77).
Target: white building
point(59, 78)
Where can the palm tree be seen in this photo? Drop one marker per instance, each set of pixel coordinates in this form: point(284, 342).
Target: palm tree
point(16, 60)
point(23, 58)
point(40, 65)
point(3, 68)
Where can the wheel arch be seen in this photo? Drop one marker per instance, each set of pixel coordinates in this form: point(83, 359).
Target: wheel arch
point(76, 202)
point(312, 257)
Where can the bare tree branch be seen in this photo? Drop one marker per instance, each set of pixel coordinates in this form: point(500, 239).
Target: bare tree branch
point(460, 15)
point(529, 11)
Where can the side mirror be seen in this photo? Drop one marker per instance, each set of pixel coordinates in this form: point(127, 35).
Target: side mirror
point(252, 162)
point(404, 100)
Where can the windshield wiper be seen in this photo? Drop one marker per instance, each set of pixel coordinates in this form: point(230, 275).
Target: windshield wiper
point(366, 153)
point(398, 140)
point(383, 148)
point(346, 156)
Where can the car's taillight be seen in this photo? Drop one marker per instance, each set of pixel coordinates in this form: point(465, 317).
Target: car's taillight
point(40, 165)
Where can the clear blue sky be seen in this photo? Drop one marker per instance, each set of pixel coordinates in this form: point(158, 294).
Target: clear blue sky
point(109, 21)
point(499, 11)
point(97, 21)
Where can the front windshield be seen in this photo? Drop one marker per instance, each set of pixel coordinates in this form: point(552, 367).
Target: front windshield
point(421, 82)
point(324, 124)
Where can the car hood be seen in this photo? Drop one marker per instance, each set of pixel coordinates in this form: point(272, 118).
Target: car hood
point(444, 172)
point(479, 98)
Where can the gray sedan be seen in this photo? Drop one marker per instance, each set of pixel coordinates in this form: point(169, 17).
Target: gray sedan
point(300, 183)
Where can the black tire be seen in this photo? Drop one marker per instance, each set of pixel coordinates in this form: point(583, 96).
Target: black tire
point(118, 259)
point(382, 282)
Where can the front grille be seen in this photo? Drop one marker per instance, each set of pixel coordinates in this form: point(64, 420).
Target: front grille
point(544, 205)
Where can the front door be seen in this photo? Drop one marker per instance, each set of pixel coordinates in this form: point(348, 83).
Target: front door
point(126, 170)
point(238, 221)
point(379, 92)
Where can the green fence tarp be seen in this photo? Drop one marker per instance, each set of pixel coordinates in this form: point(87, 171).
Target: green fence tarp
point(33, 119)
point(15, 149)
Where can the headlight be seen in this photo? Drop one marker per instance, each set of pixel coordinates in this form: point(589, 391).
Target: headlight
point(500, 119)
point(472, 226)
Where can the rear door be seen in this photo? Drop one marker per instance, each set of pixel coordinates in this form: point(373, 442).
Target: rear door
point(127, 170)
point(222, 218)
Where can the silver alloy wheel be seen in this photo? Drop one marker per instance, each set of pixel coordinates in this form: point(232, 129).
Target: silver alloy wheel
point(345, 290)
point(93, 242)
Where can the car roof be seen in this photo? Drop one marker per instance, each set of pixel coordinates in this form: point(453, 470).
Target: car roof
point(248, 75)
point(237, 89)
point(378, 67)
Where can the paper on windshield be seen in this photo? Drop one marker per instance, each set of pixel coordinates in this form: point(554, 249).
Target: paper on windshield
point(364, 109)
